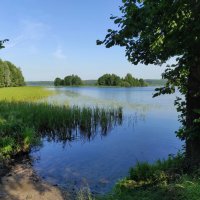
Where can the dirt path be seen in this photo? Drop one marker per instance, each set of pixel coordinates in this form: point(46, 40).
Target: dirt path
point(21, 183)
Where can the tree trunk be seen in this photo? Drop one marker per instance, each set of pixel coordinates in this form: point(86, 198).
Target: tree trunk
point(192, 104)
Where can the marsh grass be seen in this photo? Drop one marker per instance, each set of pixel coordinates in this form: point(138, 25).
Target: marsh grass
point(25, 94)
point(22, 123)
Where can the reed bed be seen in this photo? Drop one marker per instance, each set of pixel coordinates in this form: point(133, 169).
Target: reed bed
point(24, 123)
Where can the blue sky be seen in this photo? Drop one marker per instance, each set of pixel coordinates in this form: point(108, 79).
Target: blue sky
point(55, 38)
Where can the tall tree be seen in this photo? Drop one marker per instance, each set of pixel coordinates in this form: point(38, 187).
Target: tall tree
point(58, 81)
point(10, 75)
point(153, 31)
point(2, 84)
point(6, 75)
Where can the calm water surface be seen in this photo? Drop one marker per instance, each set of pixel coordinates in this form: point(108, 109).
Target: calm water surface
point(146, 134)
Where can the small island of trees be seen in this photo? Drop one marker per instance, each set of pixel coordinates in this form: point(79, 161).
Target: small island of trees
point(72, 80)
point(114, 80)
point(105, 80)
point(10, 75)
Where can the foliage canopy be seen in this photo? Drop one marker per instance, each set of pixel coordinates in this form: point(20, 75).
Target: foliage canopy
point(10, 75)
point(114, 80)
point(154, 31)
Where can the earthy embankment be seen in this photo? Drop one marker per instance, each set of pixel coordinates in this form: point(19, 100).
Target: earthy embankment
point(22, 183)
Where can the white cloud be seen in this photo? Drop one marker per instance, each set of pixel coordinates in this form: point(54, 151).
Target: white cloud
point(59, 54)
point(29, 31)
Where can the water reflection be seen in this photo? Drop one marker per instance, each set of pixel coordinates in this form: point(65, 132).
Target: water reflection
point(99, 159)
point(83, 123)
point(72, 96)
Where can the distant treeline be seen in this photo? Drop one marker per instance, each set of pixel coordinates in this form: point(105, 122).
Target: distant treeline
point(40, 83)
point(150, 82)
point(156, 82)
point(114, 80)
point(10, 75)
point(105, 80)
point(72, 80)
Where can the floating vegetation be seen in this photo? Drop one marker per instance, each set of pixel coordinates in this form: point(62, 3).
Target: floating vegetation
point(22, 123)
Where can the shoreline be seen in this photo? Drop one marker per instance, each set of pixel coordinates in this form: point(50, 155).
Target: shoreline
point(19, 181)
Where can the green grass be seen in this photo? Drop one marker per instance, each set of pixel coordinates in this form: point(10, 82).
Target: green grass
point(186, 188)
point(163, 180)
point(27, 93)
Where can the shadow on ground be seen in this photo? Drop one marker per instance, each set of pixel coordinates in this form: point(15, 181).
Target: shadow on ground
point(22, 183)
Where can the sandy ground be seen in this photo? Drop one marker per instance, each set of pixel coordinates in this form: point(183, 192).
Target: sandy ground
point(21, 183)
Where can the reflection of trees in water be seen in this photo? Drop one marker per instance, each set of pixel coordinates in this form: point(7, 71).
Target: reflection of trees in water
point(75, 98)
point(92, 128)
point(86, 124)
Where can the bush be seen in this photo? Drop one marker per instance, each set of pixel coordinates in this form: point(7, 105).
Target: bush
point(158, 173)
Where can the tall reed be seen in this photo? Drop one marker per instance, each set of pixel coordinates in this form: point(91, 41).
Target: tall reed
point(53, 122)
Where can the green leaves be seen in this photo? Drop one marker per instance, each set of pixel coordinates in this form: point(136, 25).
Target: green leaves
point(2, 43)
point(114, 80)
point(152, 32)
point(68, 80)
point(10, 75)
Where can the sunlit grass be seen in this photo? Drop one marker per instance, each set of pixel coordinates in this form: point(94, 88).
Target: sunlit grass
point(25, 94)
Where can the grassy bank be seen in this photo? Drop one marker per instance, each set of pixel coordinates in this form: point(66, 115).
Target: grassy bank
point(164, 180)
point(25, 94)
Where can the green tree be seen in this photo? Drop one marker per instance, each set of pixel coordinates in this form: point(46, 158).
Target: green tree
point(72, 80)
point(76, 80)
point(142, 82)
point(58, 82)
point(20, 78)
point(102, 80)
point(10, 75)
point(2, 84)
point(129, 79)
point(68, 80)
point(6, 75)
point(16, 76)
point(109, 80)
point(62, 82)
point(114, 80)
point(153, 31)
point(125, 84)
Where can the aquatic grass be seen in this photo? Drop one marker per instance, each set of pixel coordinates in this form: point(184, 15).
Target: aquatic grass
point(84, 194)
point(25, 94)
point(25, 122)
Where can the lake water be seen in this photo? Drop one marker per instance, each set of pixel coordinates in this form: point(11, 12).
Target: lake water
point(146, 134)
